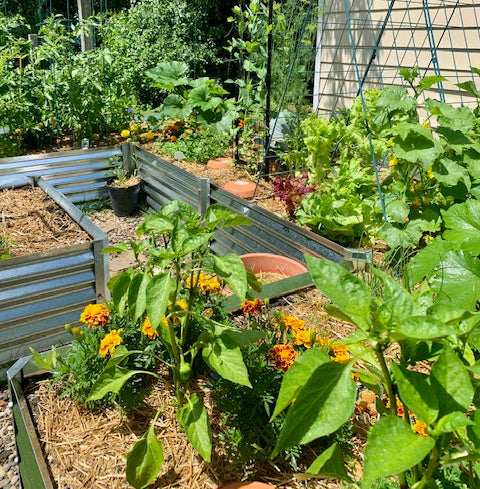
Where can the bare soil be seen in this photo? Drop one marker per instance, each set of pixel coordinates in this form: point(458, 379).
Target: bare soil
point(32, 222)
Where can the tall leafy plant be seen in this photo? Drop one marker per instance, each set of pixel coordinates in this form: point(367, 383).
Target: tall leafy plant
point(320, 395)
point(164, 291)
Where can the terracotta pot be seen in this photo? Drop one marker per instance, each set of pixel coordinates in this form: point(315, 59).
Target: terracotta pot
point(270, 263)
point(220, 163)
point(247, 485)
point(241, 188)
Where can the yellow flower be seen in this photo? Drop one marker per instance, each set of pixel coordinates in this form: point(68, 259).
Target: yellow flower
point(147, 329)
point(110, 342)
point(390, 141)
point(182, 305)
point(340, 353)
point(293, 323)
point(430, 173)
point(282, 356)
point(428, 238)
point(205, 283)
point(426, 124)
point(95, 315)
point(420, 428)
point(150, 135)
point(134, 127)
point(393, 161)
point(303, 337)
point(125, 133)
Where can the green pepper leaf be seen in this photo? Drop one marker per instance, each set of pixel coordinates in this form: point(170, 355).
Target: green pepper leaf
point(297, 376)
point(347, 292)
point(145, 459)
point(417, 393)
point(382, 454)
point(226, 361)
point(193, 418)
point(324, 403)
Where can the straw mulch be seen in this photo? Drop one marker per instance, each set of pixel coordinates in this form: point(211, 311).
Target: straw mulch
point(263, 195)
point(31, 222)
point(87, 449)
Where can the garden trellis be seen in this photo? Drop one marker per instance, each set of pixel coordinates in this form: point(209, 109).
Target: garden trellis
point(362, 44)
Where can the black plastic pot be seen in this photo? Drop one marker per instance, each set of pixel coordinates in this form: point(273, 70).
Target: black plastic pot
point(125, 200)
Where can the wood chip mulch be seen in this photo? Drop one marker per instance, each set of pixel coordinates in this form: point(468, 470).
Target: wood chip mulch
point(31, 222)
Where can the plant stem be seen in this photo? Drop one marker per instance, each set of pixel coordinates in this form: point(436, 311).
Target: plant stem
point(391, 395)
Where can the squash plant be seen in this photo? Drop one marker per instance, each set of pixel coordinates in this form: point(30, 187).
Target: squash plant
point(163, 290)
point(432, 376)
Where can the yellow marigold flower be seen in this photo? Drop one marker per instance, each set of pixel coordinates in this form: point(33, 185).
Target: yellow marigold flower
point(303, 337)
point(95, 315)
point(293, 323)
point(182, 305)
point(205, 283)
point(150, 135)
point(110, 342)
point(340, 354)
point(147, 329)
point(420, 428)
point(323, 341)
point(393, 161)
point(134, 127)
point(125, 133)
point(252, 307)
point(282, 356)
point(430, 173)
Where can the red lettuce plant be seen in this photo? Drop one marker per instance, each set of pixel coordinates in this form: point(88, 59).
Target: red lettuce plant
point(291, 190)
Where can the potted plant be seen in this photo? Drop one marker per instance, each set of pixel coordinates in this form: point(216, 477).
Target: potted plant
point(124, 187)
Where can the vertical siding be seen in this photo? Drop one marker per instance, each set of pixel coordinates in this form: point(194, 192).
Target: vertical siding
point(403, 44)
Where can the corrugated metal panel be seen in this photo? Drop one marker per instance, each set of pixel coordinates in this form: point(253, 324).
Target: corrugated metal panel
point(42, 292)
point(165, 182)
point(80, 174)
point(269, 233)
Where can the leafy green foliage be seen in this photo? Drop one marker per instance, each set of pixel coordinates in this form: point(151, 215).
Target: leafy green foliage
point(438, 402)
point(145, 459)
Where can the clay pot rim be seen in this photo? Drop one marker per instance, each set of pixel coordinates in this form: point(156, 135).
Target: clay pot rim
point(281, 264)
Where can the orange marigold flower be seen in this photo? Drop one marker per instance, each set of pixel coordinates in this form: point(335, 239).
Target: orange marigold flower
point(282, 356)
point(110, 342)
point(173, 138)
point(303, 337)
point(420, 428)
point(340, 354)
point(95, 315)
point(293, 323)
point(147, 329)
point(205, 283)
point(252, 307)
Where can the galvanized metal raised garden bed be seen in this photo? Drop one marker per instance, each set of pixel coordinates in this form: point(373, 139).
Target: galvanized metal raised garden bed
point(41, 292)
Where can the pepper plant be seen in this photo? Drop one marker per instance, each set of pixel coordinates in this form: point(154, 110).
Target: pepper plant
point(175, 272)
point(417, 354)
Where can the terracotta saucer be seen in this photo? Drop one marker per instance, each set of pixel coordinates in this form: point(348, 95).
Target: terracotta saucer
point(241, 188)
